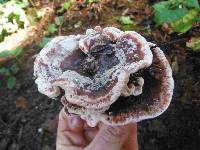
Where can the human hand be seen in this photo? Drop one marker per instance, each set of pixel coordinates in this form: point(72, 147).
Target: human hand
point(74, 134)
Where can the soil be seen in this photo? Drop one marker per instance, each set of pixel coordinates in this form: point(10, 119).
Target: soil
point(28, 119)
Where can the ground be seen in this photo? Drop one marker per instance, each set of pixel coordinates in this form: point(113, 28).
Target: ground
point(28, 119)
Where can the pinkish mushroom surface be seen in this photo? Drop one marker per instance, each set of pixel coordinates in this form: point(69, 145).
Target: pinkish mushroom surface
point(106, 75)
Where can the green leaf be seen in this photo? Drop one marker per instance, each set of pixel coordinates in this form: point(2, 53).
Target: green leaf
point(192, 3)
point(161, 5)
point(65, 7)
point(126, 20)
point(14, 68)
point(61, 10)
point(185, 23)
point(164, 14)
point(198, 19)
point(168, 16)
point(178, 13)
point(52, 28)
point(5, 54)
point(194, 43)
point(17, 51)
point(4, 71)
point(44, 41)
point(11, 82)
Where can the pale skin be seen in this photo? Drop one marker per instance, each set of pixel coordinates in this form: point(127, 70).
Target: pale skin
point(74, 134)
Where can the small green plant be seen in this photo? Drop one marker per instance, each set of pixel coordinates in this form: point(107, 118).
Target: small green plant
point(51, 30)
point(9, 74)
point(14, 53)
point(65, 6)
point(180, 14)
point(126, 22)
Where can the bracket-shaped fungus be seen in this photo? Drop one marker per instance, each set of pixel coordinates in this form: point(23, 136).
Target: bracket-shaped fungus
point(107, 75)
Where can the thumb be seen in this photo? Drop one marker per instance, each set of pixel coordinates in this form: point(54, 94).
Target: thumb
point(109, 138)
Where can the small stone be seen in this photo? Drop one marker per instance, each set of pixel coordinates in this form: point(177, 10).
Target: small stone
point(40, 130)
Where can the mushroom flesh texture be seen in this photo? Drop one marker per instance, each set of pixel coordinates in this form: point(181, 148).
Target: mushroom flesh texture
point(106, 75)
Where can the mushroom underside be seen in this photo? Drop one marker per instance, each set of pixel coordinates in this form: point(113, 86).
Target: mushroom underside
point(155, 98)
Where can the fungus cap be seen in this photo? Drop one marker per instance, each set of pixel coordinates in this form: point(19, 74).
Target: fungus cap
point(107, 75)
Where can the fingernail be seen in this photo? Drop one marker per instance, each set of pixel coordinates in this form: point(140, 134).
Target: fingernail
point(76, 121)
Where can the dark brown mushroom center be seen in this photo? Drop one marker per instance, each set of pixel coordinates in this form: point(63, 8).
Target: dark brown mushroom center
point(131, 104)
point(101, 57)
point(97, 61)
point(141, 104)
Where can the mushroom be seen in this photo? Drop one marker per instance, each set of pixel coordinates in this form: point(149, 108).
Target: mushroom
point(106, 75)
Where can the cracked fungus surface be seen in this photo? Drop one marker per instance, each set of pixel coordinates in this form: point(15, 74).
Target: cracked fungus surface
point(106, 75)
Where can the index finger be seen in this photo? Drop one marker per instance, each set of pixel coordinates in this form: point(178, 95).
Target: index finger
point(70, 132)
point(70, 122)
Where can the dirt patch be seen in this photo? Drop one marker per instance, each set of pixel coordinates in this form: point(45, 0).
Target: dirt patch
point(28, 119)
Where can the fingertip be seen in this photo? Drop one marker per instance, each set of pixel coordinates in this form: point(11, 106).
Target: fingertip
point(76, 123)
point(70, 122)
point(63, 121)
